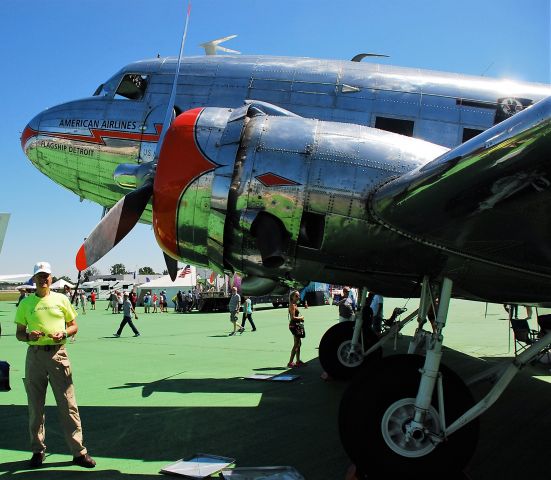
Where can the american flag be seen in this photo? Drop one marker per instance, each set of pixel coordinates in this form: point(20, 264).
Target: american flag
point(185, 271)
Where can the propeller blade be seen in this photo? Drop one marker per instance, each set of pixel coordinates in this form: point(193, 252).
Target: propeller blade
point(171, 266)
point(114, 226)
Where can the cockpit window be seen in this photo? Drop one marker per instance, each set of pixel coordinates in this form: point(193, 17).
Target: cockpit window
point(108, 88)
point(132, 86)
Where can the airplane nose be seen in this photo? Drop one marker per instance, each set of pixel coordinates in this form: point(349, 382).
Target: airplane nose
point(30, 131)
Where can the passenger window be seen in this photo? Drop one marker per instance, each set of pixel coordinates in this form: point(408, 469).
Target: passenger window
point(396, 125)
point(132, 86)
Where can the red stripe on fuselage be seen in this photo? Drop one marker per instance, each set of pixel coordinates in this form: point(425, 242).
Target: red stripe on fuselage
point(180, 163)
point(96, 136)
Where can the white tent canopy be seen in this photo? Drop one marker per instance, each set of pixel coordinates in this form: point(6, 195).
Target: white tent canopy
point(60, 285)
point(184, 282)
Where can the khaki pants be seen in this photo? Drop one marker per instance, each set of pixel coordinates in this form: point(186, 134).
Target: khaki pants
point(42, 366)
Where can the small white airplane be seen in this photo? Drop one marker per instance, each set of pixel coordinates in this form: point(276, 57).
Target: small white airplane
point(4, 219)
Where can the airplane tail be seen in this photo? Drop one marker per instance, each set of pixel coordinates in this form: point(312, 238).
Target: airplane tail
point(488, 198)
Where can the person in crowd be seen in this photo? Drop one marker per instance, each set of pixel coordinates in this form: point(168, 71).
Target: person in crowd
point(180, 304)
point(120, 301)
point(377, 309)
point(247, 314)
point(22, 295)
point(163, 302)
point(82, 296)
point(347, 309)
point(147, 302)
point(127, 310)
point(189, 300)
point(155, 302)
point(234, 305)
point(296, 327)
point(44, 320)
point(113, 300)
point(133, 297)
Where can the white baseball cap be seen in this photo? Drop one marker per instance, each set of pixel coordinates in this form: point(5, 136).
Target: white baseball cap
point(42, 267)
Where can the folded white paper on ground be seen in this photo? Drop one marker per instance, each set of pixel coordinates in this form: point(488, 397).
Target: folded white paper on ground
point(201, 465)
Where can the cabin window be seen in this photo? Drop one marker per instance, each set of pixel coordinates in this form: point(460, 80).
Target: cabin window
point(469, 133)
point(132, 86)
point(396, 125)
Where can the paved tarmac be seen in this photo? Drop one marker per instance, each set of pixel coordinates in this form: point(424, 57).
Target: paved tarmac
point(178, 389)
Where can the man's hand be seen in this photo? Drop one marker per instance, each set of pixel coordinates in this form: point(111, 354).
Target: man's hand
point(35, 335)
point(58, 336)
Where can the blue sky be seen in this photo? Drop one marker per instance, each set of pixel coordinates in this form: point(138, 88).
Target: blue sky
point(58, 50)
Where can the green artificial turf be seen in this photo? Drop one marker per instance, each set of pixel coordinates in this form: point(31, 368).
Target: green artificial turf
point(178, 389)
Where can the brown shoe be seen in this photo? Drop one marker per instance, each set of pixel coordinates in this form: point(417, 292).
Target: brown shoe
point(85, 461)
point(36, 460)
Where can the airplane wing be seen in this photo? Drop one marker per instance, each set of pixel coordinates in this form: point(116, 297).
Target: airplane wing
point(487, 199)
point(17, 276)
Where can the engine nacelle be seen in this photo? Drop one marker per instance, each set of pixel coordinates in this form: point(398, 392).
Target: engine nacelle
point(271, 194)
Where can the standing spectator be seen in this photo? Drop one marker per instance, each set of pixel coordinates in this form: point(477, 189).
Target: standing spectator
point(180, 302)
point(113, 302)
point(189, 298)
point(22, 295)
point(234, 305)
point(155, 302)
point(120, 301)
point(127, 309)
point(93, 300)
point(296, 327)
point(377, 309)
point(163, 303)
point(44, 320)
point(247, 314)
point(82, 296)
point(146, 302)
point(347, 310)
point(133, 299)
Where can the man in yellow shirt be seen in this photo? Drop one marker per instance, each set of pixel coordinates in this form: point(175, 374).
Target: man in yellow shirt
point(44, 321)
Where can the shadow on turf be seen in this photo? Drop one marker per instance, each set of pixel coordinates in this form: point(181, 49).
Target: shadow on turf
point(282, 427)
point(47, 472)
point(277, 431)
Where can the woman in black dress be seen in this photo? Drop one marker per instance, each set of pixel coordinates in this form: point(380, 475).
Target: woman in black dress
point(296, 326)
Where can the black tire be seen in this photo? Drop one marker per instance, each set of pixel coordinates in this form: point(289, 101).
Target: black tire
point(335, 342)
point(368, 398)
point(275, 304)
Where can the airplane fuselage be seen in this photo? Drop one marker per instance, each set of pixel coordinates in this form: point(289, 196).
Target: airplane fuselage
point(315, 176)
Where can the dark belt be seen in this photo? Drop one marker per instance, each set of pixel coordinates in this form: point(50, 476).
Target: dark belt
point(47, 348)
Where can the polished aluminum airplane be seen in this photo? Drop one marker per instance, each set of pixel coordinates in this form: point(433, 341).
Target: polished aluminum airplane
point(403, 181)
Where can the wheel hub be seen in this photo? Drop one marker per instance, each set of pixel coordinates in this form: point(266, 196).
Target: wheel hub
point(399, 434)
point(349, 354)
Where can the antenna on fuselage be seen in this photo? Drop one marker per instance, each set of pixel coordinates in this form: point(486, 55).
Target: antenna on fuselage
point(212, 47)
point(361, 56)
